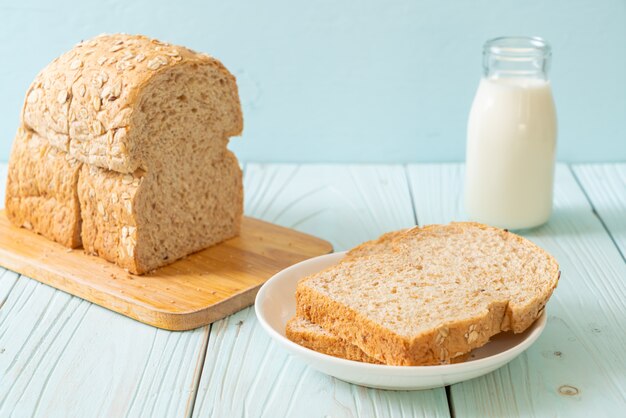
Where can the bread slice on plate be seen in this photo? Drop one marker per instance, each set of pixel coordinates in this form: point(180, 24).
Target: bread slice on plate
point(430, 294)
point(310, 335)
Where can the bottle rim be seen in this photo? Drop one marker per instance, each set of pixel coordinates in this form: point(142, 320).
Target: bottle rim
point(517, 47)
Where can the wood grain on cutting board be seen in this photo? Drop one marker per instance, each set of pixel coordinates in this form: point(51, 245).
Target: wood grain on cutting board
point(195, 291)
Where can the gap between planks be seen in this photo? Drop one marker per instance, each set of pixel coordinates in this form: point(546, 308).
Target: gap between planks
point(595, 210)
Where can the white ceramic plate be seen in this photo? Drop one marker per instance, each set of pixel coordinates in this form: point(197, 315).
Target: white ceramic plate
point(275, 305)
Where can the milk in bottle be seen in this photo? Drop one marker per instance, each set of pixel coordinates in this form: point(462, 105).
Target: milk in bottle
point(511, 137)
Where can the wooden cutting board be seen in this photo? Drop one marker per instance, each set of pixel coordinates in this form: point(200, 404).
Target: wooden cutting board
point(192, 292)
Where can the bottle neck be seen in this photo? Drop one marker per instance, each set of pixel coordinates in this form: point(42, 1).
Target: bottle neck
point(516, 57)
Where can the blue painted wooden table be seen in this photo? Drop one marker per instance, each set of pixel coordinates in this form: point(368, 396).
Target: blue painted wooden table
point(63, 357)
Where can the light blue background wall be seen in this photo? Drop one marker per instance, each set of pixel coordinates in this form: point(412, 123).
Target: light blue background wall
point(373, 81)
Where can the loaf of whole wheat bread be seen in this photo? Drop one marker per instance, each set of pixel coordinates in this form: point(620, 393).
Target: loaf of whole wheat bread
point(132, 133)
point(427, 295)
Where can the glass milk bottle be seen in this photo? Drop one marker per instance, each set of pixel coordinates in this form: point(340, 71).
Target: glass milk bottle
point(511, 136)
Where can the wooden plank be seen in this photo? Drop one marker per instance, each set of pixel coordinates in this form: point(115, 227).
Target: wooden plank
point(344, 204)
point(578, 366)
point(192, 292)
point(61, 356)
point(605, 186)
point(245, 374)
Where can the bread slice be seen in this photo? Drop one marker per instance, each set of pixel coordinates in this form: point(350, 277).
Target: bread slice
point(125, 222)
point(314, 337)
point(310, 335)
point(41, 189)
point(150, 123)
point(432, 293)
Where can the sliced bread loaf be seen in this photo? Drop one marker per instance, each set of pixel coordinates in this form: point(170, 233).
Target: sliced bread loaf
point(430, 294)
point(149, 122)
